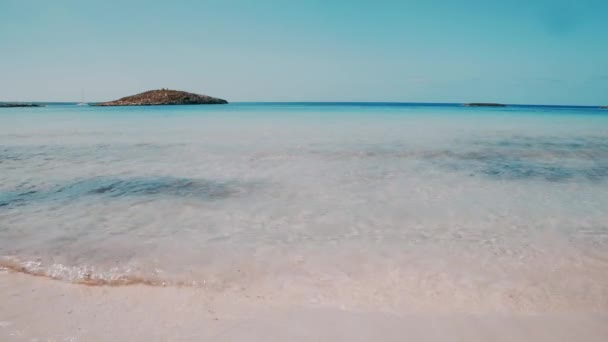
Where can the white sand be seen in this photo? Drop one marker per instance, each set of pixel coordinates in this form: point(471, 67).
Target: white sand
point(39, 309)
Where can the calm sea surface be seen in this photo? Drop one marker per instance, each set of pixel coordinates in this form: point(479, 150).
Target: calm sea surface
point(358, 203)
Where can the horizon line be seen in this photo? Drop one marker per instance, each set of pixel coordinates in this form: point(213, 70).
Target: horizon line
point(346, 103)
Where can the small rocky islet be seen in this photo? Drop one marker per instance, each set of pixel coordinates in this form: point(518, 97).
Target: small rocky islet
point(19, 105)
point(481, 104)
point(163, 97)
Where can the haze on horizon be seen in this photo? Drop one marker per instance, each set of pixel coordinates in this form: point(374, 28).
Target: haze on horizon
point(545, 52)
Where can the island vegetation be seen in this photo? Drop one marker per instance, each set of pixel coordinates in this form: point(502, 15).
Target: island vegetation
point(163, 97)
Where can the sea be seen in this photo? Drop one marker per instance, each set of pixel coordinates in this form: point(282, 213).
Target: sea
point(382, 205)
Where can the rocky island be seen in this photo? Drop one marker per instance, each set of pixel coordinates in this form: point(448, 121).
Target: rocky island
point(484, 105)
point(16, 105)
point(163, 97)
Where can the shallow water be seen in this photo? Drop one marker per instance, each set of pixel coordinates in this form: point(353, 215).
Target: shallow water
point(385, 205)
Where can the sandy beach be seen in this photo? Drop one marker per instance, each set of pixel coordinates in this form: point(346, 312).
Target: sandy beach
point(357, 171)
point(39, 309)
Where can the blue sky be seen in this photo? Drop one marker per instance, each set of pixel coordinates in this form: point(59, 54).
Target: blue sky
point(542, 52)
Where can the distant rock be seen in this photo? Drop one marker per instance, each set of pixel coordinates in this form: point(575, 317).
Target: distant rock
point(16, 105)
point(484, 105)
point(163, 97)
point(605, 107)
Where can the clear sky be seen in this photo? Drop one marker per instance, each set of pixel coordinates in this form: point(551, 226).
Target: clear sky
point(517, 51)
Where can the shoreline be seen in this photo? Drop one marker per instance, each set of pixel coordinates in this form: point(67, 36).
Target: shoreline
point(399, 283)
point(142, 313)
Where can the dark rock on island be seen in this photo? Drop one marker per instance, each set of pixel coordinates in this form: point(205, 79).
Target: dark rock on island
point(163, 97)
point(484, 105)
point(16, 105)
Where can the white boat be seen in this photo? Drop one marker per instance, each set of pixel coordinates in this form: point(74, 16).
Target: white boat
point(82, 103)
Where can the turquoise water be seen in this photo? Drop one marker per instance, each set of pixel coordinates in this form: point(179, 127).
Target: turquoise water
point(385, 204)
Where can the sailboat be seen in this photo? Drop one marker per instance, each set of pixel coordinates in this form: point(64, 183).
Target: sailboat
point(82, 103)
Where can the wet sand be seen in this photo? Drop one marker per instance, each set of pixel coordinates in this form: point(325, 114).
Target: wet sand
point(39, 309)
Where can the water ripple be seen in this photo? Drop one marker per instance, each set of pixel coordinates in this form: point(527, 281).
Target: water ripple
point(116, 187)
